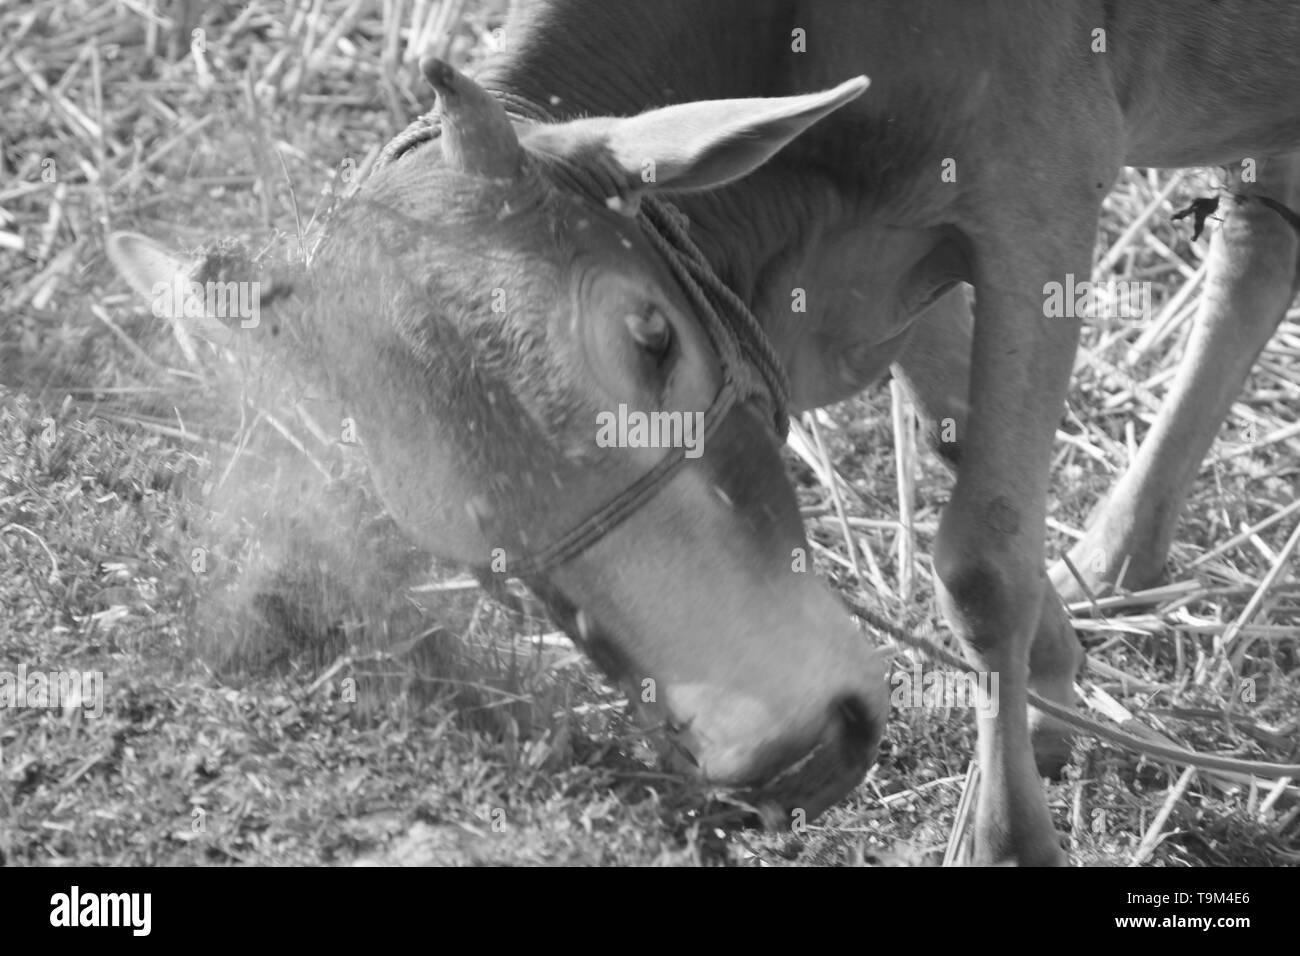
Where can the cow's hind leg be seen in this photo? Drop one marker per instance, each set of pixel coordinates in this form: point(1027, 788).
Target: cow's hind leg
point(935, 370)
point(1252, 276)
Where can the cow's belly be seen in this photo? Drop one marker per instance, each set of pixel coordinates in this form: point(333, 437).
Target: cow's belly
point(1229, 140)
point(1206, 84)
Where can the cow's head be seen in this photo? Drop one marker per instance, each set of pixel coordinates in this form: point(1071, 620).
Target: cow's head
point(493, 317)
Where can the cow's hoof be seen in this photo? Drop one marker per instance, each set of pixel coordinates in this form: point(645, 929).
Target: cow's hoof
point(1053, 744)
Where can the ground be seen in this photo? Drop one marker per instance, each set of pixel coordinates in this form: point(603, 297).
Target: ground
point(287, 681)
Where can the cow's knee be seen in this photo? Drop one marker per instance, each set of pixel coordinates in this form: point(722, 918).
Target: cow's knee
point(990, 583)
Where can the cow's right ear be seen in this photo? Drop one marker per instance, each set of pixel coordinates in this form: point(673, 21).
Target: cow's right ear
point(164, 278)
point(691, 146)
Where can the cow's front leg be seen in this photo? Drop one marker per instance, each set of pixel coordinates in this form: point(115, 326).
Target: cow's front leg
point(935, 370)
point(988, 558)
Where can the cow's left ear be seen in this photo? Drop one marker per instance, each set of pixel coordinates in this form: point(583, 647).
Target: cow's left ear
point(694, 145)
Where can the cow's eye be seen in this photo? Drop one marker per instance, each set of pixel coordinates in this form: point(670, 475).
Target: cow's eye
point(650, 329)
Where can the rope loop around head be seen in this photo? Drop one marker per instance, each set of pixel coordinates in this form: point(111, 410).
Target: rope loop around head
point(749, 359)
point(724, 311)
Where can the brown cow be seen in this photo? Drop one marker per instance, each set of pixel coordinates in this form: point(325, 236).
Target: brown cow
point(491, 293)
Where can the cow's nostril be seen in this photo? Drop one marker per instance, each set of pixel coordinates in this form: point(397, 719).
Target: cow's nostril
point(859, 726)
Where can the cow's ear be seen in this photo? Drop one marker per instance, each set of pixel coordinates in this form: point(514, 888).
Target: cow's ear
point(164, 278)
point(694, 145)
point(145, 264)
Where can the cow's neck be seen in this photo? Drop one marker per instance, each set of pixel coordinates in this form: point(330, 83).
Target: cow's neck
point(613, 58)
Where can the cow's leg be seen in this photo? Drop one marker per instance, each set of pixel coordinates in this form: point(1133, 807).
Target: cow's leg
point(1252, 277)
point(988, 554)
point(935, 370)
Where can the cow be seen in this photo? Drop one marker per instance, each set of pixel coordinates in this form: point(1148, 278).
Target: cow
point(498, 285)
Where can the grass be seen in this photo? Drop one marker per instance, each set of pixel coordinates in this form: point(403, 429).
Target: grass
point(289, 682)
